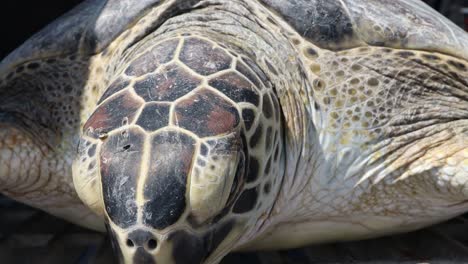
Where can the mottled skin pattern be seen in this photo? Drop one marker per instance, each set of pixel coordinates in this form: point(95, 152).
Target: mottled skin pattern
point(201, 127)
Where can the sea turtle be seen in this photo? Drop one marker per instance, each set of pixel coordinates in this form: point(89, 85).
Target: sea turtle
point(192, 128)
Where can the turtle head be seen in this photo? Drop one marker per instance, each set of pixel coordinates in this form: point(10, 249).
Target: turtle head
point(167, 197)
point(182, 157)
point(184, 193)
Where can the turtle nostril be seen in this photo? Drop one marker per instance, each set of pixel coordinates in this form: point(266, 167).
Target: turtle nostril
point(152, 244)
point(130, 243)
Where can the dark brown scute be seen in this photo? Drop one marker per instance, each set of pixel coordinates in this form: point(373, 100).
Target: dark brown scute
point(165, 188)
point(120, 159)
point(154, 116)
point(236, 87)
point(115, 87)
point(202, 57)
point(112, 114)
point(168, 85)
point(152, 59)
point(259, 72)
point(244, 70)
point(206, 114)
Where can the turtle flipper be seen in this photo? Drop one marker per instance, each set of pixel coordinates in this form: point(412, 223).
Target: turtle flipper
point(40, 108)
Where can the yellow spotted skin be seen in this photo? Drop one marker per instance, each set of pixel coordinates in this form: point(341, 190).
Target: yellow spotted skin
point(353, 135)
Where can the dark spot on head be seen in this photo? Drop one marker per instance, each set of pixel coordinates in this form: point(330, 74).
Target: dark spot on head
point(267, 106)
point(267, 188)
point(269, 139)
point(253, 169)
point(92, 151)
point(248, 116)
point(127, 147)
point(277, 152)
point(268, 166)
point(130, 243)
point(310, 52)
point(201, 163)
point(152, 244)
point(246, 201)
point(257, 136)
point(203, 150)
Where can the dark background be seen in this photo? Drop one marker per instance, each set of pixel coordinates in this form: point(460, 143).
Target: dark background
point(20, 19)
